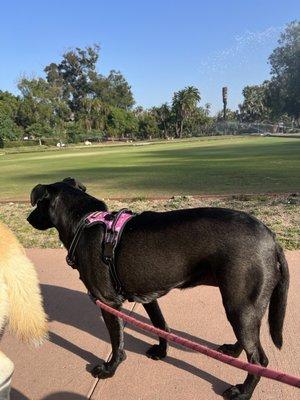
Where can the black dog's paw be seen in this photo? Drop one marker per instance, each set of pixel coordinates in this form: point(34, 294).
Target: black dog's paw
point(235, 393)
point(107, 369)
point(156, 352)
point(122, 356)
point(103, 371)
point(232, 350)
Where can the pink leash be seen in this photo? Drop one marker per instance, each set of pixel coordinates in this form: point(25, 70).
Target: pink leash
point(252, 368)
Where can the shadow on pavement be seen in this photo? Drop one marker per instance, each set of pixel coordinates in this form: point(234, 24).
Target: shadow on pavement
point(74, 308)
point(64, 396)
point(16, 395)
point(218, 385)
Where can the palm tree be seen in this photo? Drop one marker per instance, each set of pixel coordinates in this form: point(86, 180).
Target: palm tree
point(99, 114)
point(254, 107)
point(184, 104)
point(163, 116)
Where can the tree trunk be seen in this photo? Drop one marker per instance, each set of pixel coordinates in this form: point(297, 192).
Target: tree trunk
point(165, 131)
point(181, 129)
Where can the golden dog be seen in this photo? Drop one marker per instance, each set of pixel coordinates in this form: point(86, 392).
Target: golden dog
point(21, 307)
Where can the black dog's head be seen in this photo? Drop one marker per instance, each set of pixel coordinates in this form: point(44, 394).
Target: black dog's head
point(46, 199)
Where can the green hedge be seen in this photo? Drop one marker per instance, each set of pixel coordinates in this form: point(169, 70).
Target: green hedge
point(20, 143)
point(51, 141)
point(28, 143)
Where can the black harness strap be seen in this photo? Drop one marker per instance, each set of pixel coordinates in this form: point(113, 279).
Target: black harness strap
point(109, 247)
point(71, 253)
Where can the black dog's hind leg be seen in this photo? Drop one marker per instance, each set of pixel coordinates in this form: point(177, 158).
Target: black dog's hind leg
point(158, 351)
point(233, 350)
point(246, 325)
point(115, 329)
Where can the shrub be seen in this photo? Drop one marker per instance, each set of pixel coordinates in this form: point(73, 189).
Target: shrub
point(20, 143)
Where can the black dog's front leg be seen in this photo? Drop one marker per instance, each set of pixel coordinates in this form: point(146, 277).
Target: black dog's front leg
point(158, 351)
point(115, 329)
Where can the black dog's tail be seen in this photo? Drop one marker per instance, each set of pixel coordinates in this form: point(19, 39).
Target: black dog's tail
point(278, 300)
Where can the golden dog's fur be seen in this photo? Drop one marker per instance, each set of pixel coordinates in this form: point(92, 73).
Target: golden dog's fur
point(21, 305)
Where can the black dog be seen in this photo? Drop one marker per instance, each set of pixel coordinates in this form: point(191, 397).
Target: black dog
point(160, 251)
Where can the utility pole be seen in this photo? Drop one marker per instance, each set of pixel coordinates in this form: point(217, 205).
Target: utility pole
point(224, 95)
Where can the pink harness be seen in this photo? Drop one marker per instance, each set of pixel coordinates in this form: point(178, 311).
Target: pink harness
point(114, 224)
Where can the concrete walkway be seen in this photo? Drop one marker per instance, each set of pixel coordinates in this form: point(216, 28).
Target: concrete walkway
point(58, 370)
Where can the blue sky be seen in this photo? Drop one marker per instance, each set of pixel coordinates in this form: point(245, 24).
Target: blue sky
point(160, 46)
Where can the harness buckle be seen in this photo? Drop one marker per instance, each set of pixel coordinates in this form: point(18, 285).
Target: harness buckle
point(108, 251)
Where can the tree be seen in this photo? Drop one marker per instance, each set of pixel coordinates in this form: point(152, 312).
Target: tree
point(99, 114)
point(92, 114)
point(113, 90)
point(284, 87)
point(254, 107)
point(147, 128)
point(9, 106)
point(184, 105)
point(9, 130)
point(77, 78)
point(230, 115)
point(74, 74)
point(75, 97)
point(163, 116)
point(42, 106)
point(121, 123)
point(194, 123)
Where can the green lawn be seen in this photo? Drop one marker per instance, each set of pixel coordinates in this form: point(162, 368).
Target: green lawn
point(280, 213)
point(224, 166)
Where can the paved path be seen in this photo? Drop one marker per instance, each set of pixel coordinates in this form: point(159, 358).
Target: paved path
point(58, 370)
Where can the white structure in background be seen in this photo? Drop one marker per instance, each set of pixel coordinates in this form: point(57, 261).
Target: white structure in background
point(87, 143)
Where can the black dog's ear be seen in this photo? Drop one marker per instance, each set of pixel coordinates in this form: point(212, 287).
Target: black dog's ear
point(73, 182)
point(38, 193)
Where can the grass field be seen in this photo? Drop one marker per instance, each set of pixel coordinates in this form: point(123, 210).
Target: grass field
point(137, 172)
point(204, 166)
point(280, 213)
